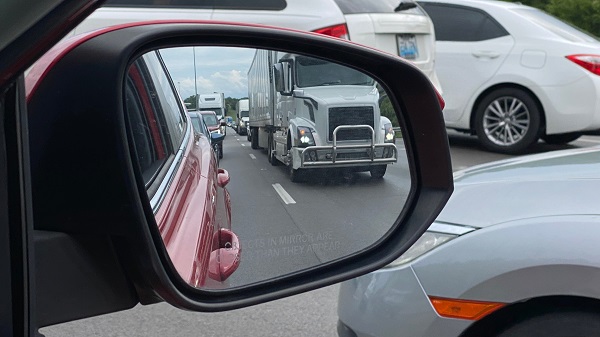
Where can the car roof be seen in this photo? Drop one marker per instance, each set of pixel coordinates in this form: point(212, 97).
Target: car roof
point(207, 112)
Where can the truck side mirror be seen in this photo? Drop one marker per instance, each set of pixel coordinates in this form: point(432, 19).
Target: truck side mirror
point(282, 77)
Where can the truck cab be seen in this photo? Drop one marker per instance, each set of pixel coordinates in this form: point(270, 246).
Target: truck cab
point(242, 116)
point(320, 115)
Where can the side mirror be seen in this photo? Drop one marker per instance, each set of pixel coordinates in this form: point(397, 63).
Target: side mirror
point(223, 122)
point(216, 138)
point(141, 200)
point(222, 177)
point(281, 76)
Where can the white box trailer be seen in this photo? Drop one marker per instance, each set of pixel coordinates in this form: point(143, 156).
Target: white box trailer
point(212, 102)
point(310, 113)
point(242, 114)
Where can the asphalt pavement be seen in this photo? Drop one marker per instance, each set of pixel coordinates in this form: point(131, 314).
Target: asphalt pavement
point(311, 314)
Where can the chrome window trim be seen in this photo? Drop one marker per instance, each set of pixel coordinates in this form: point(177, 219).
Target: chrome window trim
point(161, 192)
point(447, 228)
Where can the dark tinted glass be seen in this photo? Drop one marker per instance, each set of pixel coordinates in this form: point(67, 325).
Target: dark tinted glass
point(274, 5)
point(169, 101)
point(457, 23)
point(147, 126)
point(379, 6)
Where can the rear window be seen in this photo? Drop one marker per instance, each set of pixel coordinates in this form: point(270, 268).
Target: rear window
point(274, 5)
point(379, 6)
point(556, 26)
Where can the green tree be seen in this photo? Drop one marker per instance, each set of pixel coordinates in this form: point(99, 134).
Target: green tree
point(191, 102)
point(385, 106)
point(584, 14)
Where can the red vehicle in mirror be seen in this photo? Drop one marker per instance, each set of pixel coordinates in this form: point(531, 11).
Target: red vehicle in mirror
point(186, 190)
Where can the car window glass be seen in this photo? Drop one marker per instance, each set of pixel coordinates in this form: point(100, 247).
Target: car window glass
point(368, 6)
point(274, 5)
point(556, 26)
point(210, 120)
point(458, 23)
point(146, 123)
point(168, 99)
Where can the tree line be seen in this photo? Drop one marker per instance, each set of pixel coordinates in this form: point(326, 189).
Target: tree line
point(584, 14)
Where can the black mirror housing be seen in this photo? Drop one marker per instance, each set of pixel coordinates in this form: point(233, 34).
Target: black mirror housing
point(216, 138)
point(103, 191)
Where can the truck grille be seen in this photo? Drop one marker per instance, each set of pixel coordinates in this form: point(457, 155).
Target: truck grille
point(362, 115)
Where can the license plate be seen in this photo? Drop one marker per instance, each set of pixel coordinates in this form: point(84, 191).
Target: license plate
point(407, 46)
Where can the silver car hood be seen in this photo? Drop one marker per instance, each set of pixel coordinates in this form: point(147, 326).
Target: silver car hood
point(550, 184)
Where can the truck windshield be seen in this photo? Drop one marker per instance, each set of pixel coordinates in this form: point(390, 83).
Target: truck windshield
point(311, 72)
point(244, 114)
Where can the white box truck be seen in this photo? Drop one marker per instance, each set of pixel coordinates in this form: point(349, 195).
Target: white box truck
point(213, 102)
point(241, 123)
point(310, 113)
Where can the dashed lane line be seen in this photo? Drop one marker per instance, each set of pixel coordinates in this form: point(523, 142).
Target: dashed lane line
point(283, 194)
point(252, 156)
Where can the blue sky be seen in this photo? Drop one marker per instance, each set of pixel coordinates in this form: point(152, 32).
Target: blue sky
point(218, 69)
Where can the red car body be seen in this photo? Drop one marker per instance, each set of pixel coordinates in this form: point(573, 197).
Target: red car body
point(194, 215)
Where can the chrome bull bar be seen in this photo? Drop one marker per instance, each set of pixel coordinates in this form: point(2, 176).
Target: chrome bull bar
point(333, 161)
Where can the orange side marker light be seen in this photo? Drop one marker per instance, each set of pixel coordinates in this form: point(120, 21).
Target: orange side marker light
point(463, 309)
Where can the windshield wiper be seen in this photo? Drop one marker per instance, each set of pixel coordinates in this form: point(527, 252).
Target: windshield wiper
point(404, 5)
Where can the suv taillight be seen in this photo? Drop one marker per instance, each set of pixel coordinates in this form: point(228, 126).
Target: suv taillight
point(588, 61)
point(340, 31)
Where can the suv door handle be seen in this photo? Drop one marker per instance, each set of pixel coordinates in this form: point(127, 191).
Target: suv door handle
point(489, 54)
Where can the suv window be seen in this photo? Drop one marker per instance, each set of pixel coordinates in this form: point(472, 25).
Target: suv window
point(459, 23)
point(370, 6)
point(274, 5)
point(146, 124)
point(174, 113)
point(156, 118)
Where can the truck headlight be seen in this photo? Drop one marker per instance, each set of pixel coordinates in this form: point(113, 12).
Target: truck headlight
point(305, 137)
point(390, 135)
point(436, 235)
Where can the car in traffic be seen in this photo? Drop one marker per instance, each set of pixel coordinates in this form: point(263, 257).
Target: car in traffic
point(513, 74)
point(229, 121)
point(215, 126)
point(215, 139)
point(398, 27)
point(521, 261)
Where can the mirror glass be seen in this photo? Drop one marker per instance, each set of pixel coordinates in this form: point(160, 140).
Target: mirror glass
point(299, 179)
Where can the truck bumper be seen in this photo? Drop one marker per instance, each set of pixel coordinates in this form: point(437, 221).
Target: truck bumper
point(347, 155)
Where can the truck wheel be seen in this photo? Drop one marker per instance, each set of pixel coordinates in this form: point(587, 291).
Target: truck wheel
point(295, 175)
point(254, 138)
point(507, 120)
point(271, 151)
point(377, 172)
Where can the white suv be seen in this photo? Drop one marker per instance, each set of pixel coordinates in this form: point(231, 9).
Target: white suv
point(398, 27)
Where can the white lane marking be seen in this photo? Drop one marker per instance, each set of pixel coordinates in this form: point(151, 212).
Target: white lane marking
point(283, 194)
point(243, 144)
point(587, 140)
point(237, 139)
point(252, 156)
